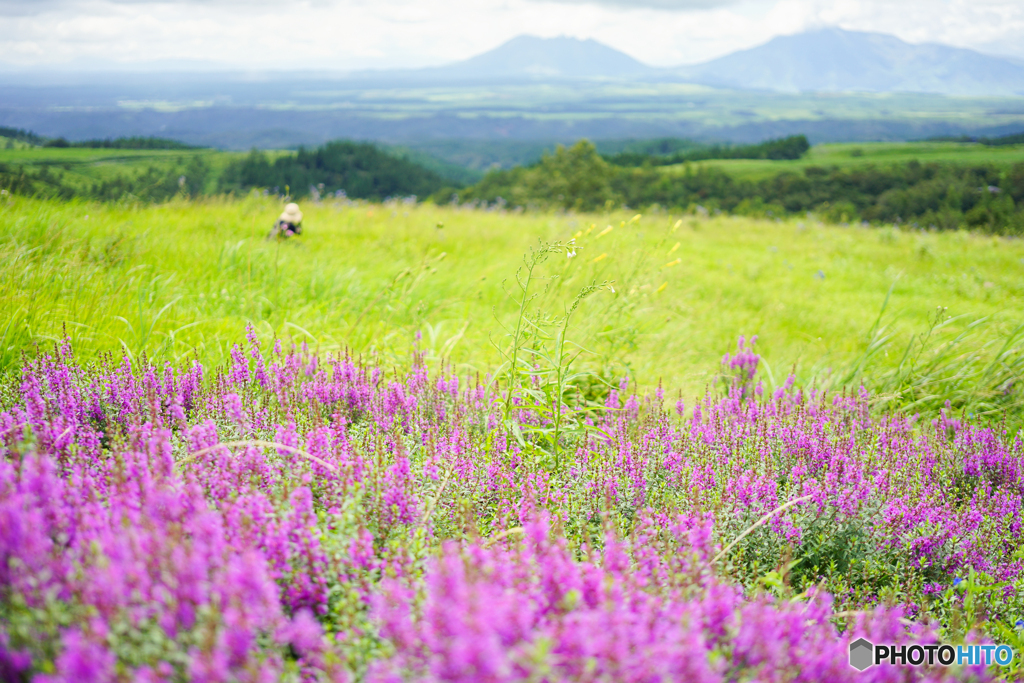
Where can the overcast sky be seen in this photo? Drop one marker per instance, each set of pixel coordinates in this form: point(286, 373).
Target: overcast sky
point(356, 34)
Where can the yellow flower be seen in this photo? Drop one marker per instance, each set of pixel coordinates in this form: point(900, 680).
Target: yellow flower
point(602, 257)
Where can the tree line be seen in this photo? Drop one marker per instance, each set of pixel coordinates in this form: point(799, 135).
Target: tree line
point(1001, 141)
point(943, 196)
point(136, 142)
point(181, 176)
point(21, 135)
point(792, 147)
point(122, 143)
point(940, 195)
point(358, 169)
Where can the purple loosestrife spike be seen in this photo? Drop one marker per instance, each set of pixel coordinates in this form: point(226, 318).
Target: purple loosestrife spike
point(123, 496)
point(81, 661)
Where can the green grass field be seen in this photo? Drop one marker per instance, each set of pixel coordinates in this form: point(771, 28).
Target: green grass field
point(81, 167)
point(184, 278)
point(852, 155)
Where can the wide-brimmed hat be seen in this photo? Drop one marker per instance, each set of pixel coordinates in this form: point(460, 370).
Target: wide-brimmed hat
point(291, 214)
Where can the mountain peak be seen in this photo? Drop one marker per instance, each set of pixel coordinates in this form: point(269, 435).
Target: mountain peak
point(823, 59)
point(831, 59)
point(533, 57)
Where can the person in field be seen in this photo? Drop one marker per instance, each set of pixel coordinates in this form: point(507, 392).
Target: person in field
point(289, 223)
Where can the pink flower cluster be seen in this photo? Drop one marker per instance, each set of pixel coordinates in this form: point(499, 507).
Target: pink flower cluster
point(298, 517)
point(648, 610)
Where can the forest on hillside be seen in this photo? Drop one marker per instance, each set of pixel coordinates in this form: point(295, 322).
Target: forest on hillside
point(943, 196)
point(678, 152)
point(355, 169)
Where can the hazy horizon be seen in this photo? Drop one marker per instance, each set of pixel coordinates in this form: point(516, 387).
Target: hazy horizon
point(199, 66)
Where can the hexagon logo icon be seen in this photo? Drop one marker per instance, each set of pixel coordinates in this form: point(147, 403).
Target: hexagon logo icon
point(862, 654)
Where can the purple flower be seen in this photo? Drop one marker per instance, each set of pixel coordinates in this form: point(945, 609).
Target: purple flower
point(397, 524)
point(303, 633)
point(81, 661)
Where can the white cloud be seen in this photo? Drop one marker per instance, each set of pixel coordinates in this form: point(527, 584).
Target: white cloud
point(964, 23)
point(33, 7)
point(669, 5)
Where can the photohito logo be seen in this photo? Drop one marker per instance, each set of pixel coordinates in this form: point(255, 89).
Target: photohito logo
point(865, 654)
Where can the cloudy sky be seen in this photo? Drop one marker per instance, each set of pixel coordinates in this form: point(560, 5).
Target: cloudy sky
point(356, 34)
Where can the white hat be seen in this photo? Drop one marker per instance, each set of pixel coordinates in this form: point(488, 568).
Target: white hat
point(292, 214)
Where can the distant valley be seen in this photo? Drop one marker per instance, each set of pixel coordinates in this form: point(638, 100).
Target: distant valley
point(830, 84)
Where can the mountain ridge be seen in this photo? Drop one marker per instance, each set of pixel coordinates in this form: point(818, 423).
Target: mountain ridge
point(826, 59)
point(526, 58)
point(562, 57)
point(837, 60)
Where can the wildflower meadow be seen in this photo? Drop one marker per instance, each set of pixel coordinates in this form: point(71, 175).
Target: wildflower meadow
point(280, 504)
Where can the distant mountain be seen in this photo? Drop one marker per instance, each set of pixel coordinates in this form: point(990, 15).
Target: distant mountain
point(512, 98)
point(834, 60)
point(528, 58)
point(539, 58)
point(823, 60)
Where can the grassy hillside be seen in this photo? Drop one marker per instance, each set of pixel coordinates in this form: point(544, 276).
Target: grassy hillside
point(93, 163)
point(985, 197)
point(943, 185)
point(185, 278)
point(102, 173)
point(80, 168)
point(854, 155)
